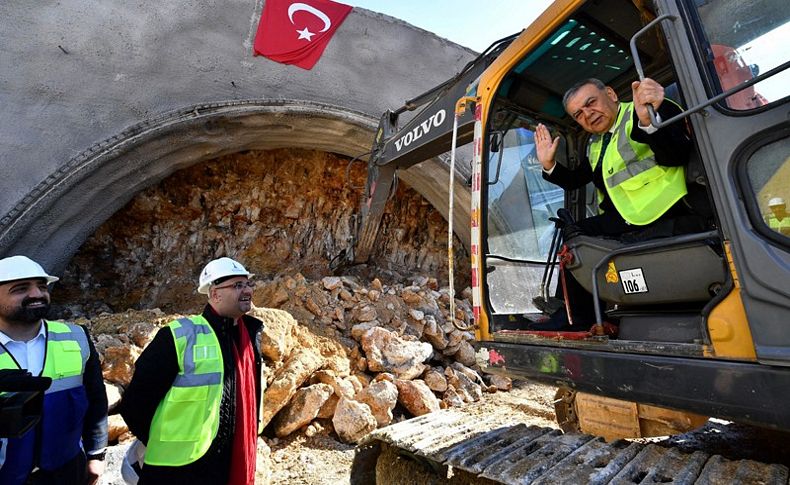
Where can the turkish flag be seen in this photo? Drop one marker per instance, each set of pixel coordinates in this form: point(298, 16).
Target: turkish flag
point(297, 32)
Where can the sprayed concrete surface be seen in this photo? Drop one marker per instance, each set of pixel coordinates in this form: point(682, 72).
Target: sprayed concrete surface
point(104, 99)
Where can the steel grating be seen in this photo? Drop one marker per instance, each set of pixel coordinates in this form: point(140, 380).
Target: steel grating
point(514, 453)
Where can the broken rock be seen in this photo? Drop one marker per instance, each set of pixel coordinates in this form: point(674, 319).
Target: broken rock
point(277, 336)
point(114, 393)
point(118, 364)
point(287, 379)
point(501, 382)
point(435, 380)
point(381, 397)
point(386, 352)
point(353, 420)
point(116, 427)
point(465, 354)
point(416, 397)
point(302, 408)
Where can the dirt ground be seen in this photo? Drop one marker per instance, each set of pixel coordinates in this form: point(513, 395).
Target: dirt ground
point(322, 460)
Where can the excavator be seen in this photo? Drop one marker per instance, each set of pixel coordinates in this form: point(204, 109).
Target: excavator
point(687, 326)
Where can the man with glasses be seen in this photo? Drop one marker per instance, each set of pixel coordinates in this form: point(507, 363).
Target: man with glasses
point(195, 398)
point(637, 169)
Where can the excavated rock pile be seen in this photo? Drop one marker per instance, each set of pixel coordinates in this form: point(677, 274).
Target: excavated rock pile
point(340, 355)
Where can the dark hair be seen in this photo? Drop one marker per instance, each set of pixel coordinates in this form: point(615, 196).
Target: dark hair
point(576, 87)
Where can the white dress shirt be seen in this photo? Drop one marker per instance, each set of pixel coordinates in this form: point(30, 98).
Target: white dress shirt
point(29, 355)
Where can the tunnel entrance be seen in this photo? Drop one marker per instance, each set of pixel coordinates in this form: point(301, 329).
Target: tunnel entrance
point(280, 212)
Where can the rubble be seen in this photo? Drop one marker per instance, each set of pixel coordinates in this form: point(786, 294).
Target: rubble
point(114, 393)
point(353, 420)
point(323, 377)
point(386, 352)
point(417, 397)
point(381, 397)
point(302, 409)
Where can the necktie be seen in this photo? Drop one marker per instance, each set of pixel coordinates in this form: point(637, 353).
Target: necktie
point(607, 137)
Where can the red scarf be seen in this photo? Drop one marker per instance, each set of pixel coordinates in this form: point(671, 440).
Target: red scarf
point(245, 437)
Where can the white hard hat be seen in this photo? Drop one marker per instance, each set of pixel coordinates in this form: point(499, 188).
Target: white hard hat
point(133, 462)
point(22, 268)
point(220, 268)
point(776, 201)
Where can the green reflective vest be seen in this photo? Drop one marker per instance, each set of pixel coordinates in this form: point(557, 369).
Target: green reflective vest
point(187, 419)
point(782, 227)
point(640, 189)
point(66, 355)
point(57, 437)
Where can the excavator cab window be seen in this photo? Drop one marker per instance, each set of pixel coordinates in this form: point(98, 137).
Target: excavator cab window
point(520, 203)
point(768, 173)
point(746, 39)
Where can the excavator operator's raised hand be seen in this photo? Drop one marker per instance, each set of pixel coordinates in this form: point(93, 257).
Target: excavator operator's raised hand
point(545, 147)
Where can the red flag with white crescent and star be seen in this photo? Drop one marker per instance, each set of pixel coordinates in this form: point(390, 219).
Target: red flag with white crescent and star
point(297, 32)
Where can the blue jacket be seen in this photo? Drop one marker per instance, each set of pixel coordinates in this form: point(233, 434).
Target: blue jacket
point(74, 414)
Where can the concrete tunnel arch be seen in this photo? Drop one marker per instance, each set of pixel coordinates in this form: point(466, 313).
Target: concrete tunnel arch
point(55, 216)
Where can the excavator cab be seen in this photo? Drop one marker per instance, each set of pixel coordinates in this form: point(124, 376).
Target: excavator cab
point(699, 305)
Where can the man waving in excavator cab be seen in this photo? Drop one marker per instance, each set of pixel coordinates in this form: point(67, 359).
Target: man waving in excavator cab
point(637, 169)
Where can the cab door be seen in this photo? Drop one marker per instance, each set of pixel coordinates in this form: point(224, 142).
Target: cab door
point(518, 232)
point(744, 141)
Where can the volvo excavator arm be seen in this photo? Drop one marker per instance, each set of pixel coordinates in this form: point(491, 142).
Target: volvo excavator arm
point(427, 134)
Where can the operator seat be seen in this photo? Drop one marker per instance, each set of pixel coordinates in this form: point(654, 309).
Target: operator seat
point(692, 272)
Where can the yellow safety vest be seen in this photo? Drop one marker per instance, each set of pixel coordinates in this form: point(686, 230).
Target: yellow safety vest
point(66, 355)
point(58, 435)
point(186, 421)
point(782, 227)
point(640, 189)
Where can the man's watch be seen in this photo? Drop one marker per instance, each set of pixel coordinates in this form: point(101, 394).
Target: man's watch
point(98, 456)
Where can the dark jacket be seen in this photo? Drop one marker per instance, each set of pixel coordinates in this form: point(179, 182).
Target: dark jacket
point(155, 370)
point(671, 146)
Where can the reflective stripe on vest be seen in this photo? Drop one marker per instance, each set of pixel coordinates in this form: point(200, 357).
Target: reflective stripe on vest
point(187, 419)
point(640, 189)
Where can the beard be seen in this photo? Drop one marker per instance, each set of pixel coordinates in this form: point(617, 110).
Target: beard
point(25, 314)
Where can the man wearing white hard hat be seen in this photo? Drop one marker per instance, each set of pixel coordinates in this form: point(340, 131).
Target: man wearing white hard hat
point(195, 398)
point(779, 219)
point(67, 445)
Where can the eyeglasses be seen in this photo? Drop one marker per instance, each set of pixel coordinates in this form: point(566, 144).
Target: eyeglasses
point(239, 285)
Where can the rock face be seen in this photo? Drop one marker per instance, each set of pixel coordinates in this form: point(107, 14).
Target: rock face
point(353, 420)
point(279, 212)
point(386, 352)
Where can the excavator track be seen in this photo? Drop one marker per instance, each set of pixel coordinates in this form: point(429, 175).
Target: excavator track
point(476, 449)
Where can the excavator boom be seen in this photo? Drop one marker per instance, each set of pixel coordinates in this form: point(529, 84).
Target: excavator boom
point(428, 134)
